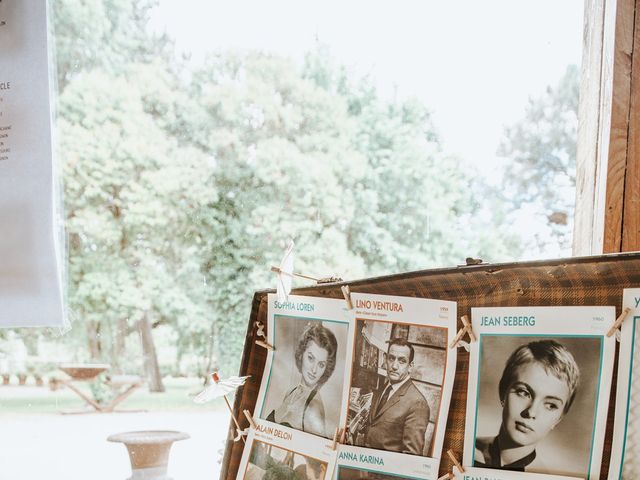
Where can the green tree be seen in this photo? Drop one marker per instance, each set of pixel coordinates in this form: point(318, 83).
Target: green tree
point(541, 148)
point(130, 194)
point(284, 168)
point(104, 34)
point(130, 189)
point(415, 206)
point(360, 183)
point(182, 189)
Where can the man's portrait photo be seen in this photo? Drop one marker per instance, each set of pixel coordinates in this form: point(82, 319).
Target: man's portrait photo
point(536, 405)
point(396, 386)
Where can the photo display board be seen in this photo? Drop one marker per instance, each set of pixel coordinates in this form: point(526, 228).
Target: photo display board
point(558, 285)
point(539, 384)
point(382, 372)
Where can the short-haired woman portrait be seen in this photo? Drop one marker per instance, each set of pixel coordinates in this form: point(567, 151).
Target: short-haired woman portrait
point(539, 385)
point(302, 367)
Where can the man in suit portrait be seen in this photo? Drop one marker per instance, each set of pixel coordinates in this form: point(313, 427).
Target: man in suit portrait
point(399, 413)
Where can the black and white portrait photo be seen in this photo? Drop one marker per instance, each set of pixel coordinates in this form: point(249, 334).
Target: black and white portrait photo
point(305, 383)
point(269, 462)
point(536, 406)
point(396, 386)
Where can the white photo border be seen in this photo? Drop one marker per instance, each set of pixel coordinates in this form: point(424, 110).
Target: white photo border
point(475, 473)
point(328, 310)
point(596, 322)
point(396, 464)
point(421, 312)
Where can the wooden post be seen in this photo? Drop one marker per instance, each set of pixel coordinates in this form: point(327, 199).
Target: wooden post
point(631, 199)
point(620, 140)
point(608, 168)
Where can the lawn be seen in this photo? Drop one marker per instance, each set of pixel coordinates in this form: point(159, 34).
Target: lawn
point(75, 447)
point(37, 400)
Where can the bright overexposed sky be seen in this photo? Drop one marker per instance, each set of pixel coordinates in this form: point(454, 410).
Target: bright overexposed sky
point(473, 63)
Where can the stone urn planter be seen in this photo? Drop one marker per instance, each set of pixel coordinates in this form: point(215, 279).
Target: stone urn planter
point(148, 452)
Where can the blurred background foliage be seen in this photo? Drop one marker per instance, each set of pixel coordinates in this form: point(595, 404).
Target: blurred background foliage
point(184, 184)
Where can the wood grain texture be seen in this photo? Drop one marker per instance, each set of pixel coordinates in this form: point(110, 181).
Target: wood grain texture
point(588, 127)
point(575, 281)
point(618, 125)
point(631, 214)
point(607, 217)
point(605, 122)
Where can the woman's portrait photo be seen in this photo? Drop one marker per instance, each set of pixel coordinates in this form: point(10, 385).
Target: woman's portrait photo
point(306, 379)
point(537, 402)
point(268, 462)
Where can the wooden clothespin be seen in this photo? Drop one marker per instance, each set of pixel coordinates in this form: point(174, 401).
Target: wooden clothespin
point(260, 330)
point(466, 328)
point(467, 325)
point(455, 461)
point(266, 345)
point(618, 323)
point(337, 437)
point(252, 422)
point(347, 296)
point(447, 476)
point(458, 337)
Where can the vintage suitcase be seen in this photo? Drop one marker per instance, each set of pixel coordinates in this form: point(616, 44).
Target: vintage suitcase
point(597, 280)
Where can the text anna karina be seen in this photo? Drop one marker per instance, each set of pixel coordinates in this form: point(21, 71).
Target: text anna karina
point(361, 458)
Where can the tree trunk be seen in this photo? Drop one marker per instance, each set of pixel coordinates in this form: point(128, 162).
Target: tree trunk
point(93, 337)
point(212, 351)
point(119, 345)
point(151, 366)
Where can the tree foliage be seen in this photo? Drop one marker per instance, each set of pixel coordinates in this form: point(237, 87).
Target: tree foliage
point(541, 148)
point(104, 34)
point(130, 194)
point(182, 190)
